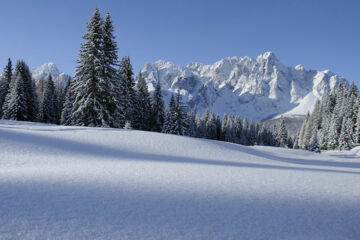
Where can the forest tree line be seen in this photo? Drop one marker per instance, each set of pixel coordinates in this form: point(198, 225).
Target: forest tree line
point(334, 123)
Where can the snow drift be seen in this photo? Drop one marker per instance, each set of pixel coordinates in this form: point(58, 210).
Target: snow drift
point(94, 183)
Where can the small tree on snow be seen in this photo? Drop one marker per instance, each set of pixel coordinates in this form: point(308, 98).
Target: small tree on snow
point(314, 144)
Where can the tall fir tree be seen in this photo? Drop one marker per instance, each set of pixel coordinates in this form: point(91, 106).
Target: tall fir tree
point(91, 105)
point(110, 72)
point(68, 104)
point(21, 91)
point(48, 103)
point(5, 84)
point(282, 135)
point(142, 120)
point(181, 124)
point(157, 109)
point(127, 94)
point(170, 118)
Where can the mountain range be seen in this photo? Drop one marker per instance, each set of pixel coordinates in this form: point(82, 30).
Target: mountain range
point(259, 89)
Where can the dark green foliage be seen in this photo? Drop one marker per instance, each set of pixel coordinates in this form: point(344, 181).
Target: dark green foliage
point(157, 110)
point(20, 102)
point(143, 105)
point(48, 104)
point(127, 94)
point(5, 83)
point(92, 102)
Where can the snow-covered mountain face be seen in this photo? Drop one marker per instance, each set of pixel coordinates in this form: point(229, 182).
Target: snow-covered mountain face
point(60, 79)
point(258, 89)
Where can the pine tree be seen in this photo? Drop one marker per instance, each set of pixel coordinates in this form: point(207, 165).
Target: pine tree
point(200, 126)
point(91, 105)
point(245, 132)
point(21, 91)
point(68, 104)
point(16, 105)
point(170, 118)
point(192, 130)
point(143, 105)
point(357, 128)
point(314, 144)
point(282, 135)
point(345, 137)
point(157, 109)
point(127, 95)
point(5, 84)
point(48, 103)
point(223, 127)
point(110, 61)
point(211, 131)
point(181, 125)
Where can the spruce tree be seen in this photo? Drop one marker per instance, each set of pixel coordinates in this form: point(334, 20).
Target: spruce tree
point(211, 131)
point(142, 120)
point(91, 104)
point(21, 91)
point(345, 136)
point(68, 103)
point(5, 84)
point(127, 95)
point(110, 61)
point(282, 135)
point(157, 110)
point(16, 107)
point(170, 118)
point(48, 103)
point(314, 144)
point(181, 125)
point(357, 127)
point(223, 127)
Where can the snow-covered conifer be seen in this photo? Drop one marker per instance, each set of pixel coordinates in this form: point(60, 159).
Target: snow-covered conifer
point(157, 109)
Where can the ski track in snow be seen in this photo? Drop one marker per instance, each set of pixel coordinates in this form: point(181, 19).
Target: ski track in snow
point(61, 182)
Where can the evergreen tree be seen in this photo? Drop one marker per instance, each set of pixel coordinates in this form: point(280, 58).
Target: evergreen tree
point(157, 110)
point(143, 106)
point(245, 132)
point(91, 105)
point(127, 95)
point(314, 144)
point(282, 135)
point(200, 126)
point(210, 125)
point(68, 104)
point(345, 137)
point(16, 105)
point(21, 91)
point(110, 61)
point(223, 127)
point(218, 127)
point(357, 128)
point(229, 134)
point(192, 130)
point(47, 105)
point(181, 125)
point(170, 118)
point(5, 84)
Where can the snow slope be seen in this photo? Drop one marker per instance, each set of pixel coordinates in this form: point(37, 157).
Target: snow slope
point(258, 88)
point(61, 182)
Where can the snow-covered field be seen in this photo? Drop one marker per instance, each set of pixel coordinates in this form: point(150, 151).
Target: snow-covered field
point(89, 183)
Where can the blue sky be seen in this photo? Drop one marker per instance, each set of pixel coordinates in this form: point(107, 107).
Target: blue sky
point(318, 34)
